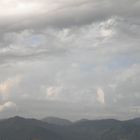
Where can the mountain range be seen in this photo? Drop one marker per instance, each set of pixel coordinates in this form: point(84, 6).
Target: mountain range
point(53, 128)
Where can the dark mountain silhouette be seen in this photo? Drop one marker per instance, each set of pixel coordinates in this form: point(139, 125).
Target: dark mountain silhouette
point(135, 120)
point(18, 128)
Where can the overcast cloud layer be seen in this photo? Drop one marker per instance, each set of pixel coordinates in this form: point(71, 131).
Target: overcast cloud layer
point(72, 59)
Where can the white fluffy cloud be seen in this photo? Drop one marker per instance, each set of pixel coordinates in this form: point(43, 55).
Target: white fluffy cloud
point(7, 106)
point(52, 93)
point(100, 96)
point(7, 85)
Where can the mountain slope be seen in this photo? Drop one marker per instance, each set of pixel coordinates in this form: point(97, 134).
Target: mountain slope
point(18, 128)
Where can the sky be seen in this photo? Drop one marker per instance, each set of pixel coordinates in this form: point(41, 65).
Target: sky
point(70, 58)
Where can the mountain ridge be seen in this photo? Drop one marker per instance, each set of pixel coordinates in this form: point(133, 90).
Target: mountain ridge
point(17, 127)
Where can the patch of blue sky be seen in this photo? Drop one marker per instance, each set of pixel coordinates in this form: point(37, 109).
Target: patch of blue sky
point(35, 40)
point(121, 62)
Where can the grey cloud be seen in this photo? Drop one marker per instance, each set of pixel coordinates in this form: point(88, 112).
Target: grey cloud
point(70, 13)
point(66, 55)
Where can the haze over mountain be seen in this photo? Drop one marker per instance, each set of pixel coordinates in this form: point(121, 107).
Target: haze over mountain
point(57, 121)
point(30, 129)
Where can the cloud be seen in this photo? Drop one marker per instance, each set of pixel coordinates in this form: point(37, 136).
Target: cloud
point(51, 92)
point(30, 44)
point(63, 13)
point(65, 49)
point(77, 59)
point(7, 106)
point(7, 85)
point(100, 96)
point(17, 8)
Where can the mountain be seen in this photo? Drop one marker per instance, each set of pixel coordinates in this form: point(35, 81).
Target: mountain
point(111, 129)
point(135, 120)
point(18, 128)
point(57, 121)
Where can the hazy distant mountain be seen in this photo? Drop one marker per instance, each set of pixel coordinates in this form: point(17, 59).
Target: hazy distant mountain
point(18, 128)
point(57, 121)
